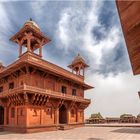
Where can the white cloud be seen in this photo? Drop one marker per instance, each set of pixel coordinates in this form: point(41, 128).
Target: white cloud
point(5, 23)
point(114, 95)
point(75, 29)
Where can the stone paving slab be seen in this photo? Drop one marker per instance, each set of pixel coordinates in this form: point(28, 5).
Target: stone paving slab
point(82, 133)
point(115, 125)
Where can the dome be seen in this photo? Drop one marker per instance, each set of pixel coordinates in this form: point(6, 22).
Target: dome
point(32, 23)
point(77, 59)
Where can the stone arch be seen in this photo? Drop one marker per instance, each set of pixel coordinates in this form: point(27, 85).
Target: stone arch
point(63, 114)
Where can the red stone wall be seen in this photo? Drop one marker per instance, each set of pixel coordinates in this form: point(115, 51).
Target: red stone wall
point(19, 118)
point(36, 115)
point(80, 115)
point(73, 115)
point(51, 83)
point(130, 21)
point(40, 116)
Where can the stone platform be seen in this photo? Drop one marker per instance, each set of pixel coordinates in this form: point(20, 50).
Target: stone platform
point(115, 125)
point(81, 133)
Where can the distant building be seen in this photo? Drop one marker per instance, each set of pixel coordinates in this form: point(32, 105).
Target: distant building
point(138, 118)
point(36, 95)
point(112, 120)
point(127, 118)
point(95, 119)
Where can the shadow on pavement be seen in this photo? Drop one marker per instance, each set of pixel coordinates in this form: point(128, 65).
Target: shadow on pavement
point(128, 130)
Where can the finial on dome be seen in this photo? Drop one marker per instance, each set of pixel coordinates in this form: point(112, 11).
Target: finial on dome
point(31, 19)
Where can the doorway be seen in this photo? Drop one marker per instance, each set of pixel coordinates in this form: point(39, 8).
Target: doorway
point(62, 115)
point(1, 115)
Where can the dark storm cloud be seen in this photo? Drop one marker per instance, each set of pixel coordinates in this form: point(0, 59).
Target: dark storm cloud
point(108, 15)
point(107, 18)
point(97, 33)
point(114, 61)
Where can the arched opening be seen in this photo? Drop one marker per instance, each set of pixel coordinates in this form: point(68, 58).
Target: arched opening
point(1, 115)
point(62, 115)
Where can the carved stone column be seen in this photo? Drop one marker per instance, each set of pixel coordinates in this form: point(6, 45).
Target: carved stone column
point(40, 51)
point(28, 44)
point(20, 50)
point(68, 116)
point(5, 115)
point(16, 114)
point(56, 116)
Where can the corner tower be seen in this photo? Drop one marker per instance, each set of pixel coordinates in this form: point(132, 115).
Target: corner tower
point(78, 65)
point(31, 37)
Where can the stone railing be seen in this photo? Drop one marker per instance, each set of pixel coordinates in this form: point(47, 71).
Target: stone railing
point(55, 94)
point(26, 88)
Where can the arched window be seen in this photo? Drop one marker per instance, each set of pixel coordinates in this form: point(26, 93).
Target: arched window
point(63, 89)
point(74, 92)
point(11, 85)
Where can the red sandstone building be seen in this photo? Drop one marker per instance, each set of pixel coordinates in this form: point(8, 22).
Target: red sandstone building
point(95, 119)
point(128, 118)
point(36, 95)
point(112, 120)
point(130, 21)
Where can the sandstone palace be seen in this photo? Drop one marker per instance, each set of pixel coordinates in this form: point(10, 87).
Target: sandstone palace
point(36, 95)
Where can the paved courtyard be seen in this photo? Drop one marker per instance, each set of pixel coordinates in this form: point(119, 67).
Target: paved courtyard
point(83, 133)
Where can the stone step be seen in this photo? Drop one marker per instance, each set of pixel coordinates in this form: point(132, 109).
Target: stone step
point(1, 128)
point(65, 127)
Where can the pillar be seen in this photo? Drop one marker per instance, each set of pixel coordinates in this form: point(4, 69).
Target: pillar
point(16, 118)
point(5, 115)
point(76, 115)
point(83, 72)
point(20, 50)
point(41, 116)
point(40, 51)
point(83, 116)
point(56, 116)
point(28, 44)
point(27, 116)
point(68, 116)
point(77, 111)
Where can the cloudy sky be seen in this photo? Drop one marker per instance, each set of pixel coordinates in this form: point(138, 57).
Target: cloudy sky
point(91, 28)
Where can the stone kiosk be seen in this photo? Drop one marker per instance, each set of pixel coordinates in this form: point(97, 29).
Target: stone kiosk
point(36, 95)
